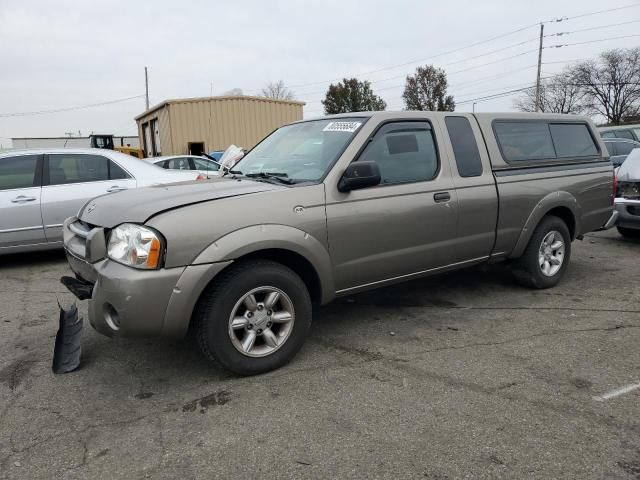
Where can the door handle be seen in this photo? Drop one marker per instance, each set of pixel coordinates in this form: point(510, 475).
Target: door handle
point(23, 199)
point(442, 197)
point(116, 188)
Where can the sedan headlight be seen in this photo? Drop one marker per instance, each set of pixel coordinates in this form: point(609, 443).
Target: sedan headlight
point(135, 246)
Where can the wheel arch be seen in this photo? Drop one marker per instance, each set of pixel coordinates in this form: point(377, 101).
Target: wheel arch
point(560, 204)
point(292, 247)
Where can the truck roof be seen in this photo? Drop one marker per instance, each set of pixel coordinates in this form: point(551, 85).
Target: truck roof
point(483, 115)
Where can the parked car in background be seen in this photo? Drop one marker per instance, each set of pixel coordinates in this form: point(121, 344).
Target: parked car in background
point(630, 132)
point(39, 189)
point(619, 148)
point(204, 166)
point(627, 201)
point(216, 155)
point(333, 206)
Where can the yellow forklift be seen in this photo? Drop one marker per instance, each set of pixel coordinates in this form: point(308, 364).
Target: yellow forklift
point(106, 141)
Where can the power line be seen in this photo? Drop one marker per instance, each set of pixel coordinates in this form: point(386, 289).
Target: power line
point(69, 109)
point(559, 34)
point(506, 34)
point(496, 95)
point(457, 71)
point(596, 13)
point(390, 67)
point(591, 41)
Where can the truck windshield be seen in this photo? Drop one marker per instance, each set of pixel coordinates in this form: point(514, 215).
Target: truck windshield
point(301, 152)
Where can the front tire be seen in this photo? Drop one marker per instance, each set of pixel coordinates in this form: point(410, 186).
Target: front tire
point(547, 255)
point(254, 317)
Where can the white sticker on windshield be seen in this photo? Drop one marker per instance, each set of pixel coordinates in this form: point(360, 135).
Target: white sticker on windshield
point(348, 127)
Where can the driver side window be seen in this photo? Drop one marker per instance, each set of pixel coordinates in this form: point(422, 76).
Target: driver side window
point(404, 151)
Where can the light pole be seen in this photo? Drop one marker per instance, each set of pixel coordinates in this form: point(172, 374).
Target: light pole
point(473, 107)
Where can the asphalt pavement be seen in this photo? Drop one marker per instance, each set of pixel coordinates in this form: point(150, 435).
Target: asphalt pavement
point(465, 375)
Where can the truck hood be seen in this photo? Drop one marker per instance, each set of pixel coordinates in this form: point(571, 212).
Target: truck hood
point(140, 204)
point(630, 169)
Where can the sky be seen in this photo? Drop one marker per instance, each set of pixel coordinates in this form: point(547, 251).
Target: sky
point(66, 54)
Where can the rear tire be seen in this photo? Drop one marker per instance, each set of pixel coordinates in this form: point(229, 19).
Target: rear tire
point(547, 255)
point(628, 232)
point(254, 317)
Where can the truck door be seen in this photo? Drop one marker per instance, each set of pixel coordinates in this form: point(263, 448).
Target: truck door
point(20, 218)
point(475, 187)
point(402, 226)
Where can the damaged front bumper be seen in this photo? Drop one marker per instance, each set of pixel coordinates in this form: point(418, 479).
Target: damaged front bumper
point(122, 300)
point(127, 301)
point(628, 213)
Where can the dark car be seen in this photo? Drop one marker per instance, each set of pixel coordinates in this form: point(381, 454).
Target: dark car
point(619, 148)
point(630, 132)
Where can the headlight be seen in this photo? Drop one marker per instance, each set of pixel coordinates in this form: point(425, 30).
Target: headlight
point(135, 246)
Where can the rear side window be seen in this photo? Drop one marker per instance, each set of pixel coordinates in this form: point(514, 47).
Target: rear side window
point(522, 141)
point(465, 147)
point(624, 134)
point(404, 151)
point(572, 140)
point(77, 168)
point(181, 163)
point(539, 141)
point(608, 134)
point(612, 148)
point(624, 148)
point(202, 164)
point(116, 172)
point(18, 172)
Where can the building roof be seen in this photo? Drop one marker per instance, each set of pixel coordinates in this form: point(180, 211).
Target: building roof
point(71, 138)
point(215, 99)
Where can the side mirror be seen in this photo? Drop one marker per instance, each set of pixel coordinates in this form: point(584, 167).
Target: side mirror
point(359, 175)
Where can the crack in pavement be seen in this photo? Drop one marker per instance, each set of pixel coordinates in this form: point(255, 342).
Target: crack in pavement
point(404, 364)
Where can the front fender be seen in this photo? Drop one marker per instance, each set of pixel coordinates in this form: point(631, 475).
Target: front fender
point(272, 236)
point(544, 206)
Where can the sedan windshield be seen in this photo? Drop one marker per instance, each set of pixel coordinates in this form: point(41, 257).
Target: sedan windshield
point(301, 152)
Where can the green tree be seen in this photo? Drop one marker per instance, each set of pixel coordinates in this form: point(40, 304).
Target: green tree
point(427, 90)
point(351, 95)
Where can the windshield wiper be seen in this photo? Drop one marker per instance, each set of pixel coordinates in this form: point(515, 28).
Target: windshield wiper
point(232, 172)
point(279, 177)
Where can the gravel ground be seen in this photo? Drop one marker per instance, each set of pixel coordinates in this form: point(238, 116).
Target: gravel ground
point(459, 376)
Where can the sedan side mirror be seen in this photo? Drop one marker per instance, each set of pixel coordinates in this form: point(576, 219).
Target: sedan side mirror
point(359, 175)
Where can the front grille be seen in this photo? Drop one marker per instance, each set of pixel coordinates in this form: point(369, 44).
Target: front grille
point(76, 239)
point(80, 229)
point(84, 240)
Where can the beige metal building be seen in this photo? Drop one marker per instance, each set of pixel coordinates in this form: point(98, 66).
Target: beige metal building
point(196, 125)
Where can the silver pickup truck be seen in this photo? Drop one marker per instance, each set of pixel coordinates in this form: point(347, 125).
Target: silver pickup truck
point(332, 206)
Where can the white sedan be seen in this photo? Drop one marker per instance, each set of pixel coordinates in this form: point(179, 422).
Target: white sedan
point(202, 165)
point(39, 189)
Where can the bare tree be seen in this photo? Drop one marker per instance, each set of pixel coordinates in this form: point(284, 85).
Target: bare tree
point(558, 94)
point(277, 91)
point(611, 84)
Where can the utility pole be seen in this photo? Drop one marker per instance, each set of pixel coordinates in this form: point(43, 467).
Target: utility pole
point(539, 68)
point(146, 85)
point(473, 107)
